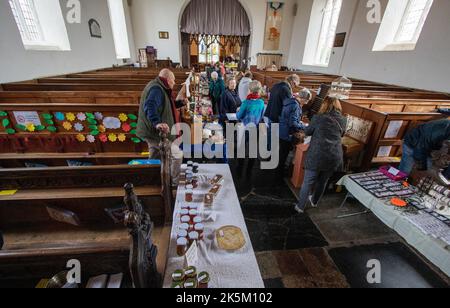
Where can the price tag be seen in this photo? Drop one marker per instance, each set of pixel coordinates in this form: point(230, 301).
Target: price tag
point(191, 256)
point(394, 171)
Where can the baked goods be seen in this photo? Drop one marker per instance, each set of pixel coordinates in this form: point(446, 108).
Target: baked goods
point(230, 238)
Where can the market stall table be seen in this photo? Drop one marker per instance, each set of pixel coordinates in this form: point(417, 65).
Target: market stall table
point(227, 269)
point(434, 247)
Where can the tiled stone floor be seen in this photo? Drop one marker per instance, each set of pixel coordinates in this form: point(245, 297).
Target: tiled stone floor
point(315, 250)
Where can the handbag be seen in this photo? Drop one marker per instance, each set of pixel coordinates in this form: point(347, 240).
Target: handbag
point(298, 138)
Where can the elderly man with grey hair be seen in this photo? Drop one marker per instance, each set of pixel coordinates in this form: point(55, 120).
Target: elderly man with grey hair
point(158, 113)
point(216, 89)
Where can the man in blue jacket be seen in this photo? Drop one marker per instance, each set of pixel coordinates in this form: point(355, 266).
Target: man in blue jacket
point(420, 142)
point(278, 94)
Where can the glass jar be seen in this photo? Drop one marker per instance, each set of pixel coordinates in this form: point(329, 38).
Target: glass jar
point(203, 280)
point(193, 214)
point(190, 283)
point(186, 220)
point(193, 237)
point(182, 233)
point(178, 276)
point(182, 244)
point(189, 195)
point(199, 228)
point(191, 272)
point(184, 212)
point(184, 226)
point(197, 220)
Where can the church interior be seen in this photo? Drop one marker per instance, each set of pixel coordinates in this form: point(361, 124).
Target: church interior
point(224, 144)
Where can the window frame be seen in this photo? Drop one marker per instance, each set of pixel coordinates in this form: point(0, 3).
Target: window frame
point(319, 38)
point(318, 52)
point(122, 52)
point(393, 23)
point(20, 20)
point(419, 26)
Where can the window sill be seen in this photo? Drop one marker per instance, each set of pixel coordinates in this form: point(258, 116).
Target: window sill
point(397, 47)
point(317, 65)
point(45, 48)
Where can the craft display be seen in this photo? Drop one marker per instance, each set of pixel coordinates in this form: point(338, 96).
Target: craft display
point(425, 206)
point(381, 186)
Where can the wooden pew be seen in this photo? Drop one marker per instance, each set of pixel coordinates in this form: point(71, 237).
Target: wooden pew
point(43, 245)
point(373, 152)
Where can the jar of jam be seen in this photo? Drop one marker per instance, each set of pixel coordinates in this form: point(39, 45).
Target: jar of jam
point(199, 228)
point(182, 244)
point(194, 182)
point(189, 177)
point(197, 220)
point(190, 283)
point(178, 276)
point(203, 280)
point(184, 226)
point(191, 272)
point(193, 214)
point(186, 220)
point(184, 212)
point(182, 233)
point(193, 237)
point(189, 194)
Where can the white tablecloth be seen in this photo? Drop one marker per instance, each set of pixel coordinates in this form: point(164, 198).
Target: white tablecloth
point(237, 269)
point(435, 250)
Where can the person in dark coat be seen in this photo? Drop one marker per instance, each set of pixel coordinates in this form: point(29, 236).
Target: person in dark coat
point(420, 142)
point(325, 155)
point(229, 101)
point(291, 124)
point(216, 89)
point(278, 94)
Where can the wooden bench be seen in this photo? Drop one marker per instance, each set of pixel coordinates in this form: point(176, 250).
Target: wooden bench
point(42, 245)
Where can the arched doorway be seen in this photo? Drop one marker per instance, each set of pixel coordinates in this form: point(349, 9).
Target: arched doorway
point(213, 30)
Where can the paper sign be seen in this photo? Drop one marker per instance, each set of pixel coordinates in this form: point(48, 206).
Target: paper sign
point(393, 129)
point(359, 129)
point(384, 152)
point(191, 256)
point(27, 117)
point(394, 171)
point(8, 192)
point(232, 116)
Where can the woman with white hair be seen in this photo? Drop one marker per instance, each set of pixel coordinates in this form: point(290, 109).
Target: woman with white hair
point(216, 89)
point(251, 113)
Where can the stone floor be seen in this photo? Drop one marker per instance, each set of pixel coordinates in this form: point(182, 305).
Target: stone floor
point(317, 249)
